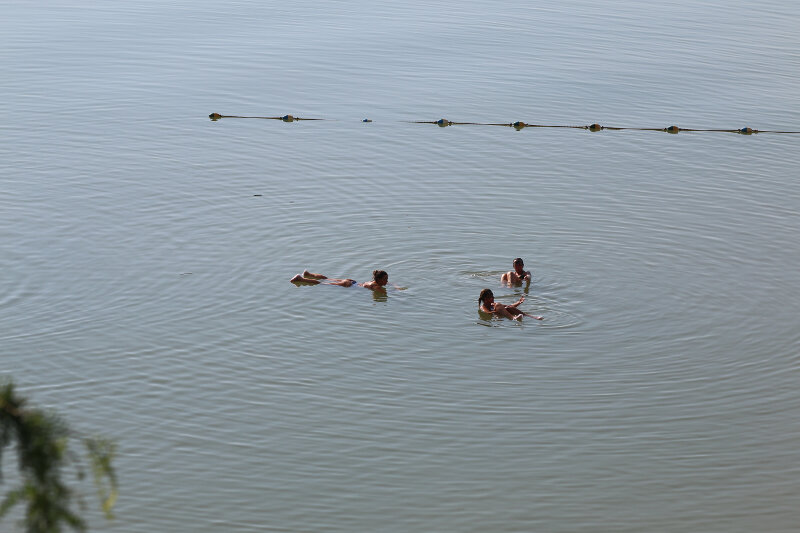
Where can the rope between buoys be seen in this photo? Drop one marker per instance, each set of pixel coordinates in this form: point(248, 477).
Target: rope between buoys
point(518, 125)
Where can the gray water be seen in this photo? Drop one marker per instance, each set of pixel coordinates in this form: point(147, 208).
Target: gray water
point(145, 254)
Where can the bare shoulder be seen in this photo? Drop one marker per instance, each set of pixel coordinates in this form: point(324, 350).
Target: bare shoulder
point(372, 285)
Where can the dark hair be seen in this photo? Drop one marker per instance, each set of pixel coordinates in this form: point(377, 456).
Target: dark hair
point(518, 260)
point(485, 293)
point(377, 274)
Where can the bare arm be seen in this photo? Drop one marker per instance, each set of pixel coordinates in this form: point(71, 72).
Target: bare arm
point(340, 282)
point(515, 304)
point(514, 307)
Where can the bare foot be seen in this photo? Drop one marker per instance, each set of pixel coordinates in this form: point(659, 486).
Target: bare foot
point(300, 279)
point(311, 275)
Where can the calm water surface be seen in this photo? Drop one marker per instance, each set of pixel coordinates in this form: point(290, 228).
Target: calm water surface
point(146, 253)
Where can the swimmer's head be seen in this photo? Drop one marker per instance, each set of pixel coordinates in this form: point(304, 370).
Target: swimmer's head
point(380, 277)
point(487, 296)
point(518, 265)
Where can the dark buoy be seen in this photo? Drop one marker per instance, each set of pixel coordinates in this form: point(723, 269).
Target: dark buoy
point(287, 118)
point(747, 131)
point(595, 127)
point(367, 120)
point(518, 125)
point(443, 122)
point(215, 116)
point(673, 129)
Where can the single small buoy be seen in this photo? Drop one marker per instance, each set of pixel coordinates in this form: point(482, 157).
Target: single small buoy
point(595, 127)
point(367, 120)
point(215, 116)
point(287, 118)
point(518, 125)
point(673, 129)
point(443, 122)
point(747, 131)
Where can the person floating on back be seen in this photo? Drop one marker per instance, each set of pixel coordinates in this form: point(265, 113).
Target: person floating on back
point(487, 304)
point(379, 280)
point(518, 275)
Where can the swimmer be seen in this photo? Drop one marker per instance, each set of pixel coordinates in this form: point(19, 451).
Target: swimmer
point(487, 304)
point(379, 280)
point(518, 275)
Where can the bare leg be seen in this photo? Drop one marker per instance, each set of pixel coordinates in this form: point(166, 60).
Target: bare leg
point(519, 314)
point(515, 313)
point(535, 317)
point(341, 282)
point(504, 311)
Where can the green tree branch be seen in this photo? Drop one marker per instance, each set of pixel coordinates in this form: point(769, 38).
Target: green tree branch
point(42, 454)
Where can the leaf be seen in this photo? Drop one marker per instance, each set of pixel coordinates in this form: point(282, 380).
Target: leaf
point(101, 452)
point(11, 499)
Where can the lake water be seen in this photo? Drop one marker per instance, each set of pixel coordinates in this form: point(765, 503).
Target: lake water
point(146, 252)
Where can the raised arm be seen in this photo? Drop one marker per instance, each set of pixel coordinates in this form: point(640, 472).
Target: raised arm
point(517, 313)
point(515, 304)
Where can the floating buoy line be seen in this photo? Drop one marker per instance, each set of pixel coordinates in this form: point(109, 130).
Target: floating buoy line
point(519, 125)
point(285, 118)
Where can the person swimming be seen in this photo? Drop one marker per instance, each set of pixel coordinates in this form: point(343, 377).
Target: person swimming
point(487, 304)
point(518, 275)
point(379, 280)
